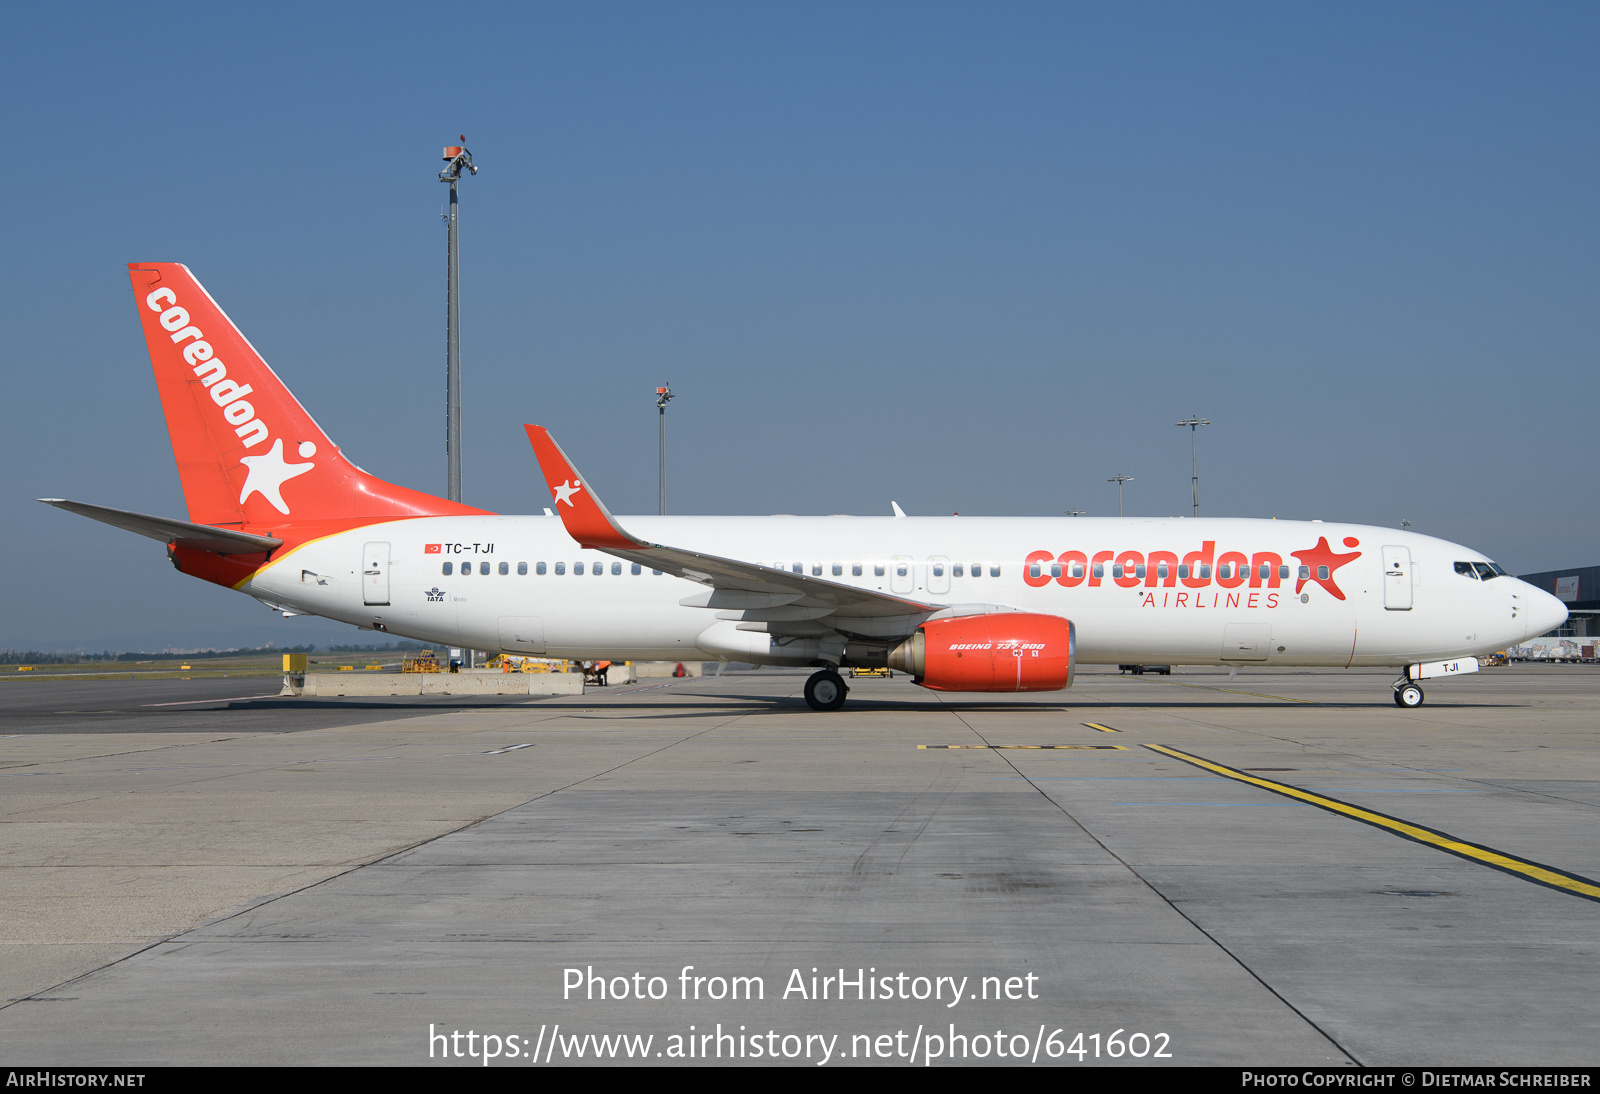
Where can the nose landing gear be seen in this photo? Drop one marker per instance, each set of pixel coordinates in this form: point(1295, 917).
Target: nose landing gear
point(825, 690)
point(1407, 694)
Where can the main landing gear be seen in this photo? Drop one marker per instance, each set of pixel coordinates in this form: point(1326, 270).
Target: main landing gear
point(1407, 694)
point(825, 690)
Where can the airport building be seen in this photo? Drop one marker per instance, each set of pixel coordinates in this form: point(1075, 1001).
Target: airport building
point(1579, 589)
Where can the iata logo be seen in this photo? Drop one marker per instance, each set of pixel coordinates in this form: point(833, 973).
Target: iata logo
point(435, 595)
point(1242, 576)
point(266, 473)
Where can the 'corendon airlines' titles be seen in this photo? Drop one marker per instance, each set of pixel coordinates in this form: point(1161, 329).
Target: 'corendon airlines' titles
point(1195, 570)
point(266, 473)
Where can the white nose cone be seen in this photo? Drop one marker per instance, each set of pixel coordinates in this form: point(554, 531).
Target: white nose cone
point(1545, 612)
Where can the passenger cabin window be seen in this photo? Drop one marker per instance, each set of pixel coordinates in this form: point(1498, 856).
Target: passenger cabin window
point(900, 569)
point(448, 568)
point(1183, 570)
point(598, 568)
point(816, 569)
point(994, 571)
point(938, 569)
point(1099, 569)
point(1322, 573)
point(1305, 573)
point(505, 568)
point(798, 567)
point(838, 569)
point(1077, 570)
point(1205, 572)
point(1116, 569)
point(1033, 569)
point(877, 570)
point(1138, 571)
point(1161, 571)
point(561, 568)
point(616, 569)
point(959, 570)
point(855, 569)
point(483, 568)
point(1055, 569)
point(577, 568)
point(637, 569)
point(1283, 573)
point(539, 569)
point(522, 569)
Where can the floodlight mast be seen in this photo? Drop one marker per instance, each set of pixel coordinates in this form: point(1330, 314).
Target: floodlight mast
point(663, 396)
point(457, 159)
point(1119, 480)
point(1194, 425)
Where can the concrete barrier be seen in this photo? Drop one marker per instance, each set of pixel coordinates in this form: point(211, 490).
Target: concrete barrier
point(650, 670)
point(443, 683)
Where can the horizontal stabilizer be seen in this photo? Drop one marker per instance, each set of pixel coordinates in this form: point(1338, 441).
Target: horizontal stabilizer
point(200, 537)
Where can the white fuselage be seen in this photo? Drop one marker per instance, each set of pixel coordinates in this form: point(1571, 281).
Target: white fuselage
point(392, 576)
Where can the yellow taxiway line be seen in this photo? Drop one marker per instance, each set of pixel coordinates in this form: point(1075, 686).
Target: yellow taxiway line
point(1536, 872)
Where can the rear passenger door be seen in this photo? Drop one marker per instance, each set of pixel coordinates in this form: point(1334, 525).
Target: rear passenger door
point(375, 573)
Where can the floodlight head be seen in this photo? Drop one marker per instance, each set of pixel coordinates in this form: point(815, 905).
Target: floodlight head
point(459, 158)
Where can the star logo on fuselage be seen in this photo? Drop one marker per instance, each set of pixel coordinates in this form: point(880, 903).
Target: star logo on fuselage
point(267, 475)
point(565, 491)
point(1314, 558)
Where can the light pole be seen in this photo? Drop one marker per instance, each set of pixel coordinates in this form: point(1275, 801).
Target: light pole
point(1119, 480)
point(663, 395)
point(457, 159)
point(1194, 425)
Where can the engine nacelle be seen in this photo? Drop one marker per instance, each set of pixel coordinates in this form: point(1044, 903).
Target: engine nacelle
point(1006, 651)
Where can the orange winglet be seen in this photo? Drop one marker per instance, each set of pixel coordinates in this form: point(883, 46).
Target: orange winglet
point(586, 518)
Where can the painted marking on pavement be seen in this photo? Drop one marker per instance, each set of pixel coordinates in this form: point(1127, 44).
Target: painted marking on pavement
point(1230, 691)
point(1096, 748)
point(192, 702)
point(1527, 869)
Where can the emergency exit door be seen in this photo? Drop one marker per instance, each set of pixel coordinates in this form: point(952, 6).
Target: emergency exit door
point(375, 573)
point(1397, 579)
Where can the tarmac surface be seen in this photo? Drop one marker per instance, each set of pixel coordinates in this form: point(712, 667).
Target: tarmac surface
point(1284, 868)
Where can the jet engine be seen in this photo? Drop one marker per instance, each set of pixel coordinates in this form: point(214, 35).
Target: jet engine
point(1006, 651)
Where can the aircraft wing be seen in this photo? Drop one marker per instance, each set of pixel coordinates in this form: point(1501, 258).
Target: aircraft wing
point(201, 537)
point(755, 592)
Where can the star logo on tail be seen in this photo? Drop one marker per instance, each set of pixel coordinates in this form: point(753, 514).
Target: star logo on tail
point(267, 475)
point(1314, 558)
point(565, 491)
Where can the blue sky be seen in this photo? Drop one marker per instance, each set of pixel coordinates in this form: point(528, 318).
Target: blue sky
point(968, 257)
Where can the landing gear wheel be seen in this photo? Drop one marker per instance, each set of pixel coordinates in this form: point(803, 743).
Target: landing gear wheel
point(1408, 695)
point(825, 690)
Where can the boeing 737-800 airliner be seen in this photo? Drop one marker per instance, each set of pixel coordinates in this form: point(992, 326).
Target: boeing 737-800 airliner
point(961, 603)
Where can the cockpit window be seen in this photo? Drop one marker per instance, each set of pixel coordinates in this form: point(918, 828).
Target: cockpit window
point(1465, 570)
point(1486, 570)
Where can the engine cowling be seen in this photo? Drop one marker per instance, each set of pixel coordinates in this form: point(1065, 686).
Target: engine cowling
point(1007, 651)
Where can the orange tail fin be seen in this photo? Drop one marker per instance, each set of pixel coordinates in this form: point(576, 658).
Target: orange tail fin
point(247, 451)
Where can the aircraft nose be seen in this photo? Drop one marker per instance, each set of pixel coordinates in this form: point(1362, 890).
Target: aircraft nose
point(1545, 613)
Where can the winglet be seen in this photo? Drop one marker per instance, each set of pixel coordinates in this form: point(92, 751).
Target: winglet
point(585, 516)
